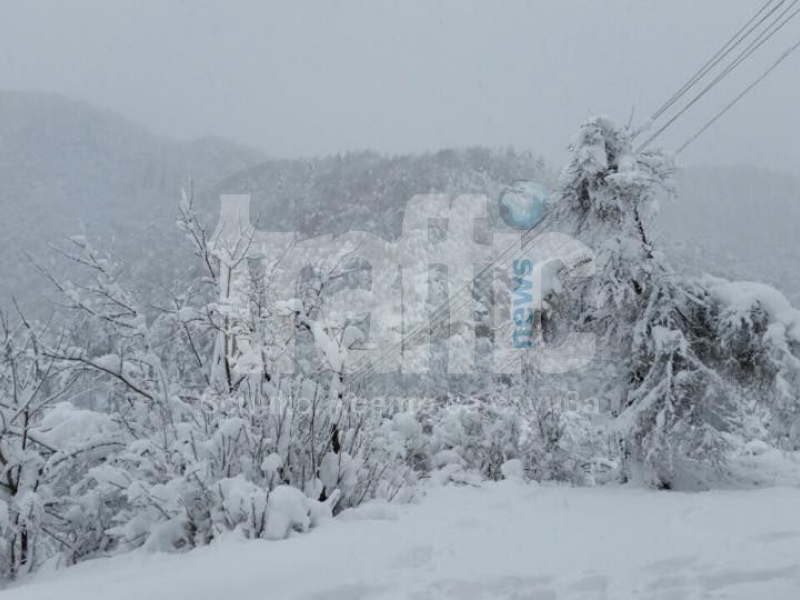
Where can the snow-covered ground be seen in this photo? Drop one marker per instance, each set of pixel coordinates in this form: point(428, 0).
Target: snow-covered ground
point(504, 540)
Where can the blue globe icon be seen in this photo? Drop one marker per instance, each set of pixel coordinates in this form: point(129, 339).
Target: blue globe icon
point(523, 204)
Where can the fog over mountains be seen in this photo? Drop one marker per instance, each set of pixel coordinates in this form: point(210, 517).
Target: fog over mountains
point(70, 168)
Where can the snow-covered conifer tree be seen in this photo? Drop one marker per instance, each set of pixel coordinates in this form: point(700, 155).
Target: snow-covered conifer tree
point(672, 407)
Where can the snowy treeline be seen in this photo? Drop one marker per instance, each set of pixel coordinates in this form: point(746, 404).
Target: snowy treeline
point(131, 425)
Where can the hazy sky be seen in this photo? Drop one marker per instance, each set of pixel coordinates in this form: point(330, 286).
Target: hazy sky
point(311, 77)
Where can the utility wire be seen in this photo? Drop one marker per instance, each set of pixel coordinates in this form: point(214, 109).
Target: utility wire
point(741, 95)
point(466, 293)
point(759, 41)
point(716, 58)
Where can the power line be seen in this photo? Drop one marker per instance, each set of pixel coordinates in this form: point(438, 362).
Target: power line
point(715, 59)
point(744, 92)
point(759, 41)
point(465, 294)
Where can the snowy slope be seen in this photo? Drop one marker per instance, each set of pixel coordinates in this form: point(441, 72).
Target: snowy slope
point(68, 167)
point(499, 541)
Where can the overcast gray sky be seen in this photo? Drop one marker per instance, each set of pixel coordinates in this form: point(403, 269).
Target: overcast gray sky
point(311, 77)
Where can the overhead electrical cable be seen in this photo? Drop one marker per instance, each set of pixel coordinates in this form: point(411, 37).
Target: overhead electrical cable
point(719, 55)
point(773, 28)
point(741, 95)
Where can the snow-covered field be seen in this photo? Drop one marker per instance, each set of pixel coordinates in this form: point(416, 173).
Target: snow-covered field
point(498, 541)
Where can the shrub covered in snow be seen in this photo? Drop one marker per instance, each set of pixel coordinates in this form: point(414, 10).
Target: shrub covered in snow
point(184, 446)
point(167, 428)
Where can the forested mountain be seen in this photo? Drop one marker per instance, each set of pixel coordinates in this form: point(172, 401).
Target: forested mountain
point(738, 222)
point(368, 191)
point(69, 168)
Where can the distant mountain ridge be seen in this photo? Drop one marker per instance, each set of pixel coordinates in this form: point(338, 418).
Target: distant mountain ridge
point(369, 191)
point(735, 222)
point(67, 167)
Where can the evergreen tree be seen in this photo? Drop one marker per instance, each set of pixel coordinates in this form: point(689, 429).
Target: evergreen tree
point(671, 408)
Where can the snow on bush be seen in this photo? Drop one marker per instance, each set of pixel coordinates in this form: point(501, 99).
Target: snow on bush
point(168, 428)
